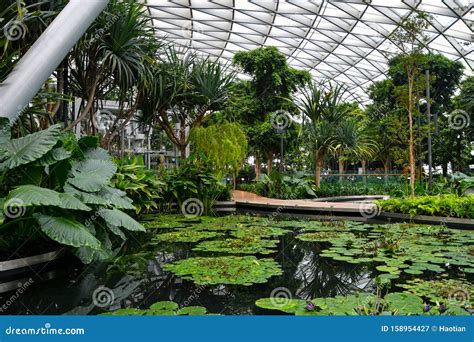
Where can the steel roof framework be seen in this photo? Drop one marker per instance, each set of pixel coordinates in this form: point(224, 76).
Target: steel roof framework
point(343, 41)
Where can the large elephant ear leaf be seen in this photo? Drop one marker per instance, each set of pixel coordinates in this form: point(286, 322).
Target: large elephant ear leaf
point(53, 156)
point(67, 231)
point(120, 219)
point(4, 131)
point(97, 153)
point(68, 201)
point(32, 195)
point(91, 175)
point(29, 148)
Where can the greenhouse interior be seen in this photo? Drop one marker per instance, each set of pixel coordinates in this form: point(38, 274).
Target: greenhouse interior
point(236, 157)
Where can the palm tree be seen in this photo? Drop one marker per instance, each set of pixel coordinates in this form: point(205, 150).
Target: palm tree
point(324, 112)
point(353, 142)
point(186, 89)
point(113, 57)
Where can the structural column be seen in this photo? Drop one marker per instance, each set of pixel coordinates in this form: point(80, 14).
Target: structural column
point(46, 54)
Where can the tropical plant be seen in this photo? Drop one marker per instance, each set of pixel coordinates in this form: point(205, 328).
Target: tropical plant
point(444, 206)
point(411, 38)
point(185, 91)
point(140, 183)
point(325, 113)
point(113, 57)
point(354, 142)
point(52, 182)
point(194, 179)
point(225, 146)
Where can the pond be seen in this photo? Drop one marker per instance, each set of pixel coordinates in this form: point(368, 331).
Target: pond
point(232, 266)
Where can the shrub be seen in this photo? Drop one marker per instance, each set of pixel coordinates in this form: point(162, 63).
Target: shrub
point(444, 205)
point(140, 184)
point(60, 186)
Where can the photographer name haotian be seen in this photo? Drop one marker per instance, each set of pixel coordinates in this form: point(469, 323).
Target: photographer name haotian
point(451, 328)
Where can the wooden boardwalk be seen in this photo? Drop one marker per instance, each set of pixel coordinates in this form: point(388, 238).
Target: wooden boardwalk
point(248, 199)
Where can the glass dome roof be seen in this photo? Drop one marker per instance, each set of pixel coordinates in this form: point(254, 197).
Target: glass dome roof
point(344, 41)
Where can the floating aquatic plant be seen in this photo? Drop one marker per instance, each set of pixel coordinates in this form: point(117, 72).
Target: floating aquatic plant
point(165, 308)
point(185, 235)
point(395, 303)
point(245, 245)
point(255, 231)
point(225, 270)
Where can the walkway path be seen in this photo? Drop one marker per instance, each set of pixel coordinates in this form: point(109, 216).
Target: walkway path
point(246, 198)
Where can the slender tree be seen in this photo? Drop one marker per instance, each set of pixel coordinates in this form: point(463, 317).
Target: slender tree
point(411, 39)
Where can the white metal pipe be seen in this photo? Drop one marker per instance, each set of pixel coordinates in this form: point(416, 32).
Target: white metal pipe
point(46, 54)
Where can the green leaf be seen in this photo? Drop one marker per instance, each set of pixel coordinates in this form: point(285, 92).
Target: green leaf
point(53, 156)
point(91, 175)
point(31, 195)
point(120, 219)
point(29, 148)
point(4, 131)
point(165, 305)
point(98, 154)
point(116, 230)
point(68, 201)
point(67, 231)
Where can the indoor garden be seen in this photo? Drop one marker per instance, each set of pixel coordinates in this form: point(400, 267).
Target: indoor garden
point(236, 158)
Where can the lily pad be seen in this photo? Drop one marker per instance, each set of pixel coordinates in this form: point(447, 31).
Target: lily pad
point(225, 270)
point(244, 245)
point(185, 235)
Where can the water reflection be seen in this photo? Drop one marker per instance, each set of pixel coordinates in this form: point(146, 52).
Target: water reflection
point(137, 280)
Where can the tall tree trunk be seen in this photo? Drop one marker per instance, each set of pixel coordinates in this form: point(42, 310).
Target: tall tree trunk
point(341, 168)
point(386, 169)
point(269, 163)
point(257, 167)
point(182, 138)
point(445, 169)
point(411, 140)
point(90, 102)
point(364, 169)
point(457, 164)
point(319, 161)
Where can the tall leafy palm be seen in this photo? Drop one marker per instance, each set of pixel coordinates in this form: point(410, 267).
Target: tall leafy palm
point(353, 142)
point(114, 56)
point(185, 90)
point(324, 112)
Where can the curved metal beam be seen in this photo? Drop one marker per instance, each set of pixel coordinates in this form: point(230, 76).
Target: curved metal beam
point(46, 54)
